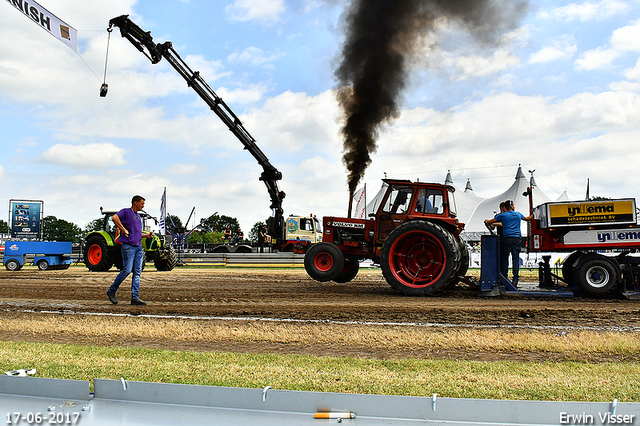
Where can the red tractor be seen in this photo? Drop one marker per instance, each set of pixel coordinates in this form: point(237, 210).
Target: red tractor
point(414, 237)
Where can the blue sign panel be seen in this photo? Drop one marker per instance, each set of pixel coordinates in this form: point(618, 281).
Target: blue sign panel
point(25, 219)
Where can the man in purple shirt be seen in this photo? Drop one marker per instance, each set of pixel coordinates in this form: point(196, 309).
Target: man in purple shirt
point(129, 233)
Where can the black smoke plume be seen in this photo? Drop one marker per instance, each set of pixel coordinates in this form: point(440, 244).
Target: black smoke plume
point(381, 38)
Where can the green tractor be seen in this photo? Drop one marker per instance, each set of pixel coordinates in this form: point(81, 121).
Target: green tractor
point(101, 251)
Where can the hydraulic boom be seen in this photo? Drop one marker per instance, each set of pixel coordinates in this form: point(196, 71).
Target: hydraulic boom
point(143, 41)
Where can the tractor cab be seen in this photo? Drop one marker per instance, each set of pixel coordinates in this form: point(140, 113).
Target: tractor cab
point(406, 200)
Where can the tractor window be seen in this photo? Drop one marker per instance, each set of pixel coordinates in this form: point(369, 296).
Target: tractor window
point(430, 201)
point(306, 224)
point(111, 227)
point(398, 201)
point(453, 209)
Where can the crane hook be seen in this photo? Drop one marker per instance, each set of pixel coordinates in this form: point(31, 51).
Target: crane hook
point(105, 87)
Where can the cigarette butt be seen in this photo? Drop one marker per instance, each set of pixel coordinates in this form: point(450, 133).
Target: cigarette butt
point(334, 415)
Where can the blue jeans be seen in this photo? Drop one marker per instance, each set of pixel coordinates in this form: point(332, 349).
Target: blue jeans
point(132, 257)
point(510, 246)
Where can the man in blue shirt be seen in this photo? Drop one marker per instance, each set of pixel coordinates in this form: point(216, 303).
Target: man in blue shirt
point(511, 241)
point(129, 234)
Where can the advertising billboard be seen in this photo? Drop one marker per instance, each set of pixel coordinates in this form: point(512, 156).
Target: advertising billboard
point(25, 218)
point(586, 213)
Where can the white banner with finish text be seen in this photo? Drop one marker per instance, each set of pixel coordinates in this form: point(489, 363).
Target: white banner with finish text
point(48, 21)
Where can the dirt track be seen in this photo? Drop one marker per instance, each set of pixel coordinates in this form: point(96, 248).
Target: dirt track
point(290, 293)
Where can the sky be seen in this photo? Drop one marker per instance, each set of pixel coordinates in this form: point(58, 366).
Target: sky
point(558, 93)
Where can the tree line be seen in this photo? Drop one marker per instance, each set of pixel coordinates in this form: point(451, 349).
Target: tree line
point(210, 230)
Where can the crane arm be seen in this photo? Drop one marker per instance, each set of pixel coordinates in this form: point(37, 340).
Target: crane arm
point(143, 41)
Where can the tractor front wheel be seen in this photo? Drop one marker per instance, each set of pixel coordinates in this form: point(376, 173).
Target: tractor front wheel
point(166, 260)
point(418, 258)
point(323, 261)
point(96, 255)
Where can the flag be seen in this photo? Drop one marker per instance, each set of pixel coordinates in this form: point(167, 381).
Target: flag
point(587, 196)
point(49, 22)
point(163, 213)
point(360, 199)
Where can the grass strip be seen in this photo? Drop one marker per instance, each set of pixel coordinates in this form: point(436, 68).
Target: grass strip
point(573, 345)
point(552, 381)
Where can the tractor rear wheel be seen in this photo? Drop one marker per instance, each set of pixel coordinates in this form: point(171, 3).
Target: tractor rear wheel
point(323, 261)
point(461, 266)
point(464, 260)
point(418, 258)
point(96, 255)
point(349, 271)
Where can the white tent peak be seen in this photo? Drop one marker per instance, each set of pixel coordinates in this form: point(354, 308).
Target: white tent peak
point(468, 187)
point(448, 180)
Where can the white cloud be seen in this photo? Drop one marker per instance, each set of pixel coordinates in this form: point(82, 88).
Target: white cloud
point(633, 73)
point(623, 40)
point(544, 133)
point(562, 49)
point(209, 70)
point(476, 65)
point(625, 86)
point(596, 58)
point(627, 38)
point(294, 122)
point(90, 156)
point(586, 11)
point(254, 56)
point(248, 95)
point(263, 11)
point(184, 169)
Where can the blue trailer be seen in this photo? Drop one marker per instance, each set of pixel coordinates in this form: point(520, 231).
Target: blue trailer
point(46, 254)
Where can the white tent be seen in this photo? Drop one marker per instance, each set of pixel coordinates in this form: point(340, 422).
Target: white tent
point(482, 209)
point(489, 207)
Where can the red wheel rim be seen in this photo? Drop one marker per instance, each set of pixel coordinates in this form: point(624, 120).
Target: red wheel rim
point(417, 259)
point(94, 254)
point(323, 262)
